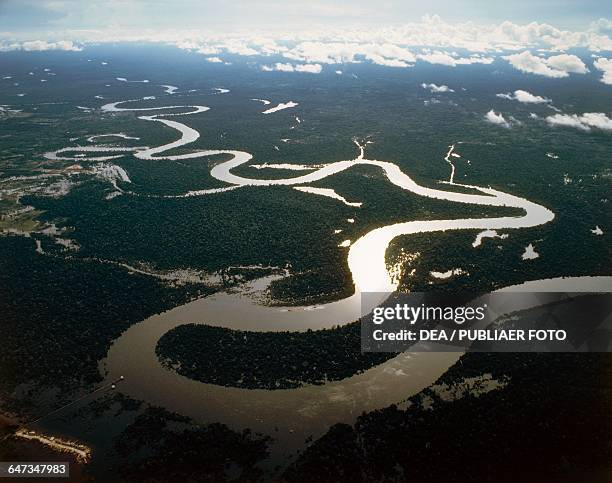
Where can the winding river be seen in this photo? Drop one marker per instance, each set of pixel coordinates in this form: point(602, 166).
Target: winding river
point(291, 415)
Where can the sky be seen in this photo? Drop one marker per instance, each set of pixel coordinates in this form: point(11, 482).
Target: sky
point(537, 37)
point(557, 39)
point(18, 18)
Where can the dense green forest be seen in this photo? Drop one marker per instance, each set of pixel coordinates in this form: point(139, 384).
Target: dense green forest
point(265, 360)
point(162, 446)
point(59, 320)
point(275, 226)
point(549, 422)
point(61, 309)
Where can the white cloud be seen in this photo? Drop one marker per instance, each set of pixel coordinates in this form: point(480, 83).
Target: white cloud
point(306, 68)
point(380, 60)
point(584, 122)
point(384, 53)
point(443, 58)
point(309, 68)
point(536, 34)
point(187, 44)
point(40, 45)
point(474, 59)
point(215, 60)
point(554, 66)
point(436, 88)
point(394, 46)
point(391, 41)
point(602, 26)
point(566, 120)
point(604, 65)
point(238, 47)
point(207, 50)
point(497, 119)
point(438, 58)
point(567, 63)
point(431, 31)
point(524, 97)
point(529, 98)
